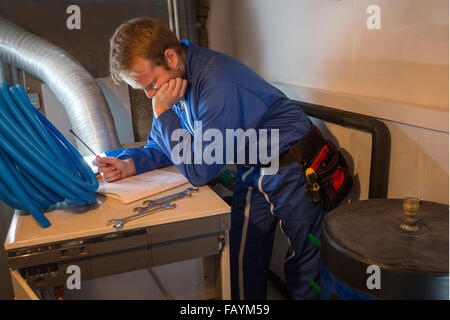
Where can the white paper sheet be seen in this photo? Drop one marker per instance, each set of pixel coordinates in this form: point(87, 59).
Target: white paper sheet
point(141, 186)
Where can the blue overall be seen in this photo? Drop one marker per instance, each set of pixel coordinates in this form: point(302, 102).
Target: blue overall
point(224, 94)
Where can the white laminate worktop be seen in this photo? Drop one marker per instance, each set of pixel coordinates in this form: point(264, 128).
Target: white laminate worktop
point(24, 231)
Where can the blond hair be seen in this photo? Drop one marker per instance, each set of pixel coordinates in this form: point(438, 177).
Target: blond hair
point(146, 38)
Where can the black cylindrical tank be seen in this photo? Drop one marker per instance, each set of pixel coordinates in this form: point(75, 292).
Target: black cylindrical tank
point(386, 249)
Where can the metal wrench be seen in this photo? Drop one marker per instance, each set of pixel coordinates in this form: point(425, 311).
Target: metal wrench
point(154, 206)
point(118, 223)
point(154, 203)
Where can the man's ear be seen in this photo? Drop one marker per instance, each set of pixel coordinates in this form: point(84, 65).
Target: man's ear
point(171, 58)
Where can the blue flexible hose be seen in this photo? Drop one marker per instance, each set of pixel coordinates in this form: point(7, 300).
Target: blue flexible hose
point(38, 165)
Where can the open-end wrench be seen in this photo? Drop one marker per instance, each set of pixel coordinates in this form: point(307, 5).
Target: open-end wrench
point(154, 206)
point(154, 203)
point(118, 223)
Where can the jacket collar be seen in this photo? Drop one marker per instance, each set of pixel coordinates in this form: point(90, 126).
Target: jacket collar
point(190, 49)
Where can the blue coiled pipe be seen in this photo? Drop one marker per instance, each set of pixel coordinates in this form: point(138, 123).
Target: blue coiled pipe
point(38, 165)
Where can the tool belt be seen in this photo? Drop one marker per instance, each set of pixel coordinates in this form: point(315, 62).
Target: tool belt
point(328, 180)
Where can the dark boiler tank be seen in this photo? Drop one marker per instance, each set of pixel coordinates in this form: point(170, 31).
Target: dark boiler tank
point(386, 249)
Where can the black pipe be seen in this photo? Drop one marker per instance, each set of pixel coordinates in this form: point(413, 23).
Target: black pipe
point(381, 141)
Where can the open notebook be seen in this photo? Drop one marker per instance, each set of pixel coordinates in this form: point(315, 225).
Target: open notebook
point(141, 186)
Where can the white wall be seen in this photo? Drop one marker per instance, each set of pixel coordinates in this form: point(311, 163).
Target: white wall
point(322, 52)
point(326, 44)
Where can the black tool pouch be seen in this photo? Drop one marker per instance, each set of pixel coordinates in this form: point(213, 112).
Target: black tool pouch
point(328, 180)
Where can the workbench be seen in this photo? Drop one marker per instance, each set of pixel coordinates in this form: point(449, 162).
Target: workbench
point(198, 227)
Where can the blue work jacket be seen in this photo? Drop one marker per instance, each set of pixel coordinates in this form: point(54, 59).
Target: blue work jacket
point(222, 94)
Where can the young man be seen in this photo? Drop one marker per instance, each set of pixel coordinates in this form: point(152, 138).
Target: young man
point(198, 89)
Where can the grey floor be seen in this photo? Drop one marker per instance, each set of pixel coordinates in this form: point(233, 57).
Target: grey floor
point(273, 293)
point(182, 281)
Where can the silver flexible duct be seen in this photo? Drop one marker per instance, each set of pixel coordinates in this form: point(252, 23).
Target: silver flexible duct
point(2, 71)
point(75, 88)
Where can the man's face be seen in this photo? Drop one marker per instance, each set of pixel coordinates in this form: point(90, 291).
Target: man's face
point(150, 78)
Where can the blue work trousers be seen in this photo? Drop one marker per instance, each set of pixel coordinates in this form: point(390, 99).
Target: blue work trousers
point(261, 201)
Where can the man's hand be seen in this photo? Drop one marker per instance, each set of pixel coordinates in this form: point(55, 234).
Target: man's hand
point(170, 93)
point(114, 169)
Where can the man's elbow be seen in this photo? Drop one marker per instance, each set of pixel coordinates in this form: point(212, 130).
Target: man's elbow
point(196, 182)
point(200, 176)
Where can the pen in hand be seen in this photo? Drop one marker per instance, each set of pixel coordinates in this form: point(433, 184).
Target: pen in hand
point(71, 131)
point(96, 155)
